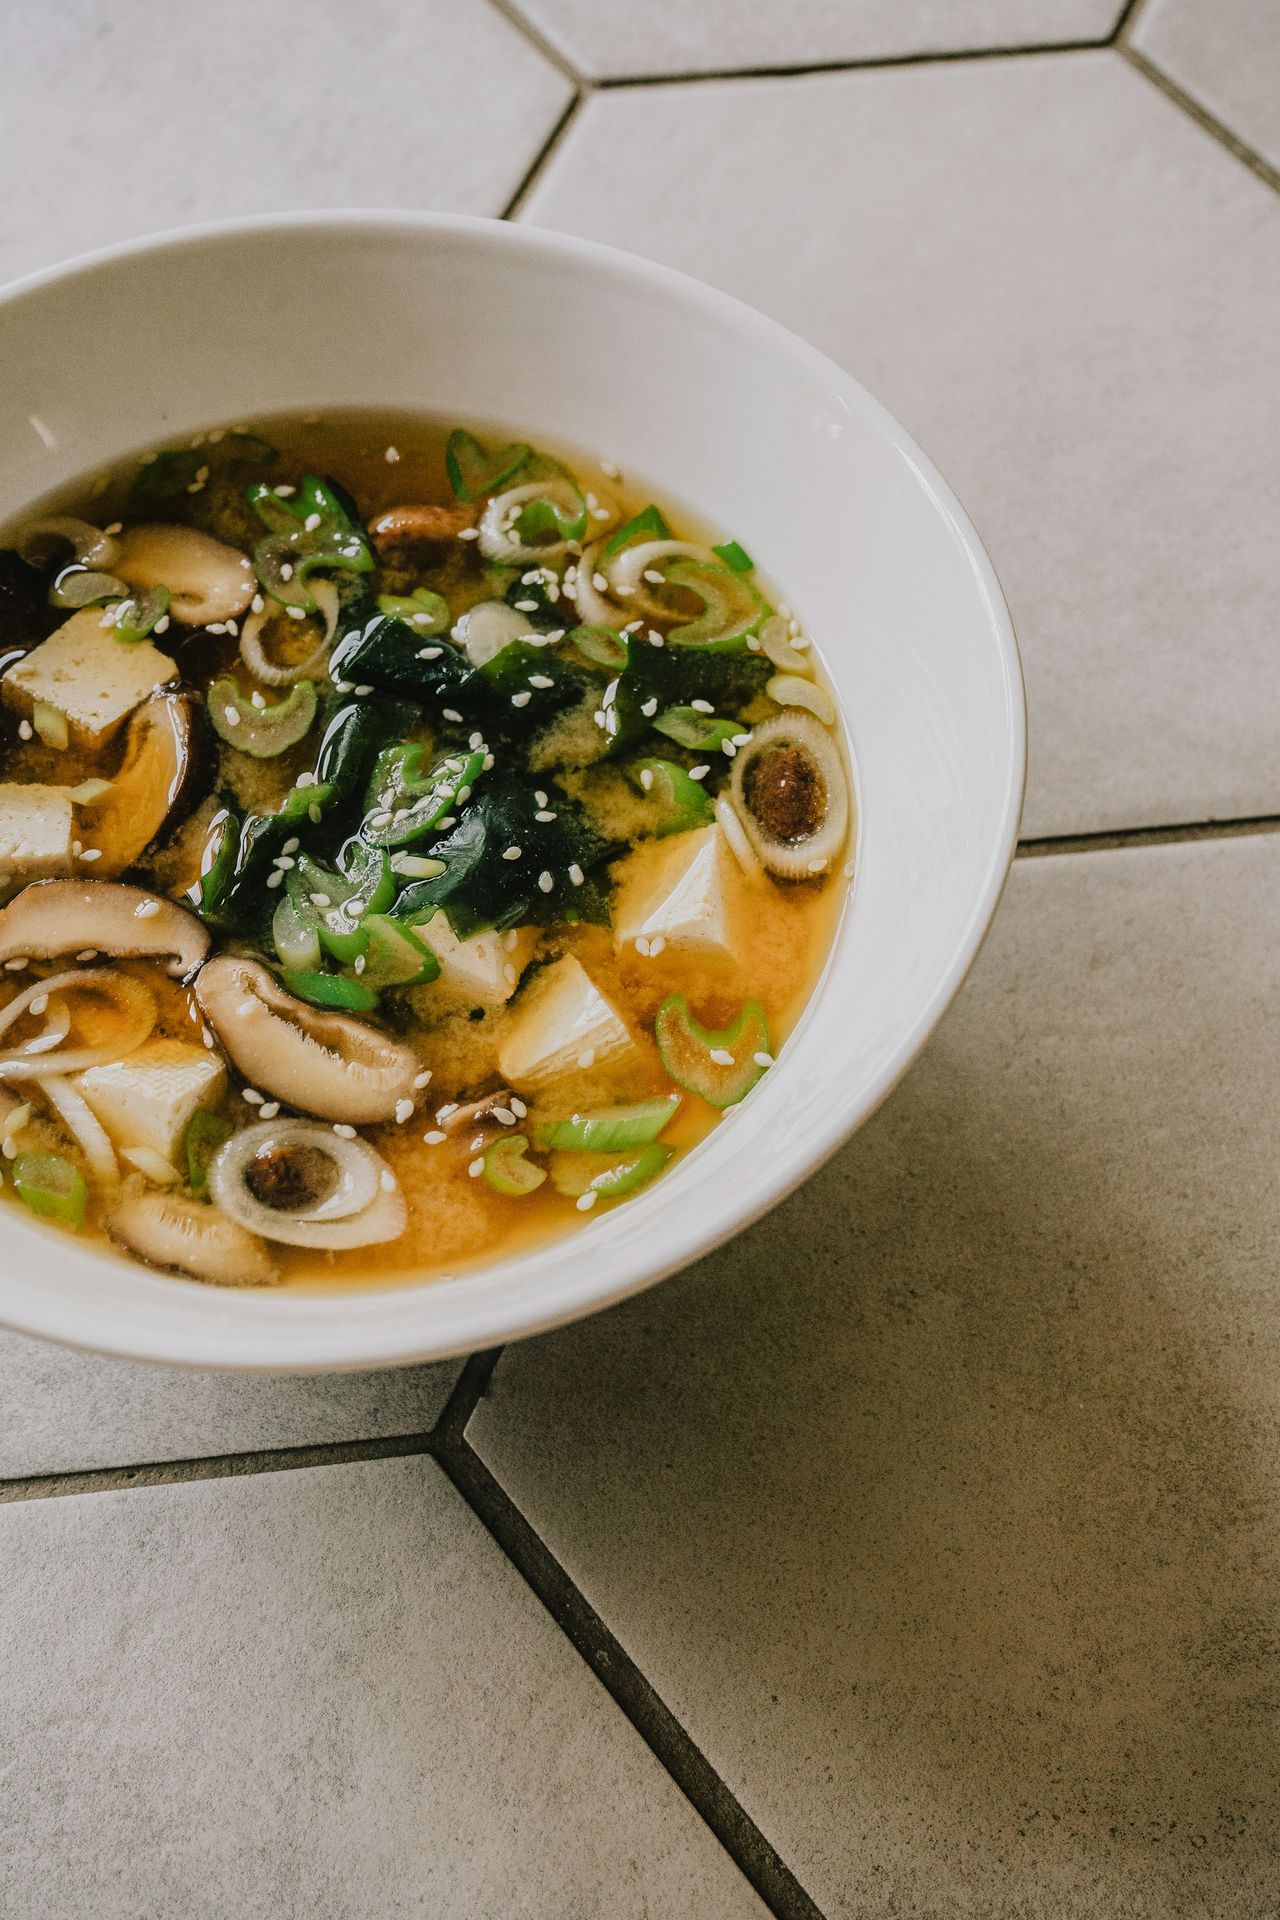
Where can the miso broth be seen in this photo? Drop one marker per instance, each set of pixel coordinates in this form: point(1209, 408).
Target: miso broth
point(411, 842)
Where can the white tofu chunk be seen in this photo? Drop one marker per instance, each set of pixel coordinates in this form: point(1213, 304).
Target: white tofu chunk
point(146, 1099)
point(37, 825)
point(87, 675)
point(564, 1025)
point(684, 889)
point(483, 970)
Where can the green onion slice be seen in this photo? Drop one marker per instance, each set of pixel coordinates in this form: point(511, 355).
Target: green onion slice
point(338, 990)
point(396, 956)
point(261, 732)
point(78, 586)
point(135, 618)
point(608, 1129)
point(334, 903)
point(700, 732)
point(508, 1169)
point(736, 558)
point(426, 612)
point(51, 1186)
point(403, 803)
point(731, 607)
point(721, 1068)
point(205, 1133)
point(610, 1175)
point(645, 525)
point(602, 646)
point(472, 471)
point(679, 803)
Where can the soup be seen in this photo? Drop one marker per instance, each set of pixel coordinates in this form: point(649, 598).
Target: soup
point(411, 841)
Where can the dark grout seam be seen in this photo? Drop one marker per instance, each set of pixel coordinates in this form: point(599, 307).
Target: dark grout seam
point(1110, 841)
point(738, 1834)
point(871, 63)
point(1203, 119)
point(515, 17)
point(543, 155)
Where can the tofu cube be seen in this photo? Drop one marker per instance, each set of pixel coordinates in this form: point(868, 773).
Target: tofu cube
point(484, 970)
point(37, 825)
point(564, 1025)
point(87, 675)
point(685, 889)
point(146, 1099)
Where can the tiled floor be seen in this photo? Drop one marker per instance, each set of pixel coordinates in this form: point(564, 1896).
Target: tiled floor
point(929, 1535)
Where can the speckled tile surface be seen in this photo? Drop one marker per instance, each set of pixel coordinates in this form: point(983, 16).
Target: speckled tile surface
point(944, 1506)
point(321, 1693)
point(916, 1557)
point(123, 119)
point(1067, 292)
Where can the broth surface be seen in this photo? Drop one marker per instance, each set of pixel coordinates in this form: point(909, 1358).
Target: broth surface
point(774, 931)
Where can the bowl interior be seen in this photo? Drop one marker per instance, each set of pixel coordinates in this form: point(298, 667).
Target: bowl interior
point(760, 435)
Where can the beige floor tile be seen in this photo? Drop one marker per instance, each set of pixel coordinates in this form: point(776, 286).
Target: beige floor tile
point(123, 119)
point(669, 36)
point(944, 1506)
point(62, 1412)
point(323, 1694)
point(1226, 54)
point(1067, 291)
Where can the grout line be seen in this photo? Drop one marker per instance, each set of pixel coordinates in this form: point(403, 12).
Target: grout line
point(543, 155)
point(630, 1691)
point(221, 1466)
point(872, 63)
point(515, 17)
point(1202, 117)
point(1109, 841)
point(468, 1390)
point(1127, 21)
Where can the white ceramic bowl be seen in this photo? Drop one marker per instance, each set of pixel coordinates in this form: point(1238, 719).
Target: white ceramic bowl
point(750, 427)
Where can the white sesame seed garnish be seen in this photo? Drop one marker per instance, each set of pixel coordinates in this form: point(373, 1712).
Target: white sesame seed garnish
point(702, 706)
point(162, 624)
point(252, 1095)
point(430, 653)
point(518, 1107)
point(476, 742)
point(728, 748)
point(763, 1059)
point(232, 716)
point(525, 606)
point(646, 778)
point(642, 945)
point(451, 713)
point(541, 680)
point(816, 866)
point(286, 571)
point(387, 1180)
point(521, 699)
point(92, 853)
point(391, 455)
point(117, 526)
point(649, 707)
point(510, 941)
point(259, 700)
point(344, 1130)
point(468, 533)
point(363, 692)
point(503, 1116)
point(304, 780)
point(509, 974)
point(477, 1167)
point(651, 574)
point(40, 1002)
point(275, 878)
point(24, 729)
point(77, 848)
point(449, 1107)
point(146, 910)
point(269, 1109)
point(257, 604)
point(291, 845)
point(344, 686)
point(319, 899)
point(404, 1109)
point(587, 1059)
point(433, 1138)
point(847, 869)
point(656, 639)
point(512, 853)
point(544, 816)
point(753, 644)
point(16, 966)
point(284, 493)
point(87, 953)
point(656, 944)
point(699, 773)
point(722, 1056)
point(576, 874)
point(599, 582)
point(585, 1201)
point(488, 762)
point(546, 882)
point(360, 962)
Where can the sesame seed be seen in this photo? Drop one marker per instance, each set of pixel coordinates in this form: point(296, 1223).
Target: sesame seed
point(702, 706)
point(252, 1095)
point(587, 1059)
point(599, 582)
point(600, 717)
point(206, 1036)
point(87, 953)
point(434, 1138)
point(16, 966)
point(40, 1002)
point(404, 1109)
point(162, 624)
point(451, 713)
point(9, 1149)
point(269, 1109)
point(320, 899)
point(656, 639)
point(503, 1116)
point(488, 762)
point(753, 644)
point(286, 571)
point(92, 853)
point(546, 882)
point(344, 686)
point(509, 974)
point(77, 848)
point(763, 1059)
point(642, 945)
point(430, 653)
point(146, 910)
point(387, 1180)
point(362, 693)
point(296, 613)
point(284, 493)
point(359, 963)
point(449, 1107)
point(391, 455)
point(609, 470)
point(699, 773)
point(601, 513)
point(541, 680)
point(649, 707)
point(291, 845)
point(343, 1130)
point(258, 699)
point(512, 853)
point(544, 816)
point(728, 748)
point(303, 780)
point(722, 1056)
point(521, 699)
point(652, 574)
point(476, 1168)
point(232, 716)
point(24, 729)
point(656, 945)
point(469, 533)
point(576, 874)
point(518, 1107)
point(117, 526)
point(525, 606)
point(585, 1201)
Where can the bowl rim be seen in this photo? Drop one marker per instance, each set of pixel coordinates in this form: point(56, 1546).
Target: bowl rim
point(282, 1350)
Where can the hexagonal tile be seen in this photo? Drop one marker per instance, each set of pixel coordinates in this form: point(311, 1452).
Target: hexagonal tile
point(723, 36)
point(143, 115)
point(944, 1506)
point(1226, 55)
point(1066, 290)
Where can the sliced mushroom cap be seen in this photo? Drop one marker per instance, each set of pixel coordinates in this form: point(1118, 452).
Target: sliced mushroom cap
point(173, 1231)
point(321, 1063)
point(791, 792)
point(155, 784)
point(293, 1181)
point(206, 580)
point(402, 529)
point(481, 1113)
point(52, 917)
